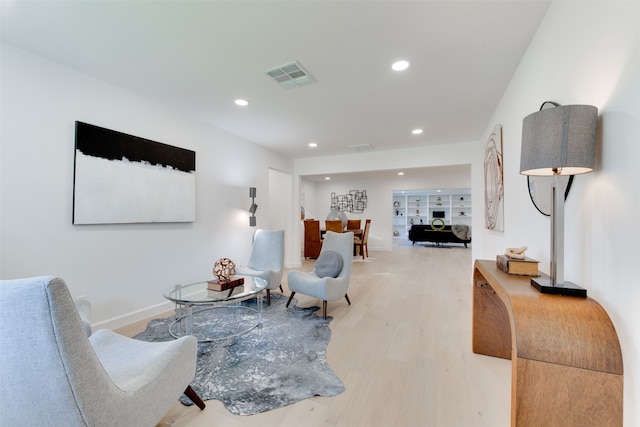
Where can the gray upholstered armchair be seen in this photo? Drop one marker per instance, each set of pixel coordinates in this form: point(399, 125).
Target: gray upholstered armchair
point(267, 259)
point(53, 374)
point(330, 278)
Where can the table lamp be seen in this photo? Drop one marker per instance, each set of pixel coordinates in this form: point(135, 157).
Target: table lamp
point(558, 141)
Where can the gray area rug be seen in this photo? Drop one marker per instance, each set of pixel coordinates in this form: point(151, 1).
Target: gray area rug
point(280, 362)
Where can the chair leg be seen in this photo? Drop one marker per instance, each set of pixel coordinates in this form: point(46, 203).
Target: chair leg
point(191, 394)
point(268, 297)
point(290, 298)
point(324, 306)
point(281, 290)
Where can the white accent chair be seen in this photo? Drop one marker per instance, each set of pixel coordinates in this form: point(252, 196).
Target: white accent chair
point(326, 288)
point(266, 260)
point(53, 374)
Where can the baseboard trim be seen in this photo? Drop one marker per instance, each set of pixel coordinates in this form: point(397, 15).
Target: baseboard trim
point(136, 316)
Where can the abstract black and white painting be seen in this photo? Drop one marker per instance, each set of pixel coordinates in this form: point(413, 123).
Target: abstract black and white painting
point(120, 178)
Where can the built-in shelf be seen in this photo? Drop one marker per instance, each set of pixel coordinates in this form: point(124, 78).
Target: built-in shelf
point(422, 207)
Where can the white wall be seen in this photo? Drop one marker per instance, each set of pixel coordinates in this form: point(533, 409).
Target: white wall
point(122, 269)
point(279, 213)
point(307, 199)
point(583, 53)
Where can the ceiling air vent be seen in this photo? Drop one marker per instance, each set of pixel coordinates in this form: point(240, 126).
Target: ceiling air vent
point(290, 75)
point(361, 147)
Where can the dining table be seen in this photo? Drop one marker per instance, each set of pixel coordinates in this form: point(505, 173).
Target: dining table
point(356, 232)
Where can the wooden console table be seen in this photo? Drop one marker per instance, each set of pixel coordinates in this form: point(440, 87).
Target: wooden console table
point(565, 354)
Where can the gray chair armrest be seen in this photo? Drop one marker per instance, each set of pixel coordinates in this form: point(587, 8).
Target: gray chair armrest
point(84, 309)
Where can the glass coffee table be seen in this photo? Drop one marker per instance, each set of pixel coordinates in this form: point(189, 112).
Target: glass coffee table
point(212, 316)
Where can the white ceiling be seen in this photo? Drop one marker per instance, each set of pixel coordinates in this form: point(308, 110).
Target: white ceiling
point(392, 174)
point(198, 56)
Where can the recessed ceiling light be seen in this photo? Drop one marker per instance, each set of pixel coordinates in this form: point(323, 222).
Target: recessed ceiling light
point(400, 65)
point(313, 145)
point(417, 131)
point(400, 173)
point(327, 178)
point(241, 102)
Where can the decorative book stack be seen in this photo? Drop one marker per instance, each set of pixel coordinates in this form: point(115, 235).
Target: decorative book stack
point(520, 267)
point(223, 285)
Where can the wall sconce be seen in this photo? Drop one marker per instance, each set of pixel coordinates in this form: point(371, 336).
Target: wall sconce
point(558, 141)
point(253, 208)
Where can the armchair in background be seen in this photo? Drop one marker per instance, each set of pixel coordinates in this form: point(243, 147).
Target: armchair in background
point(329, 280)
point(53, 374)
point(266, 260)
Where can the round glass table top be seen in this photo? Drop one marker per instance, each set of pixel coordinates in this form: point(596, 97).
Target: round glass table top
point(198, 292)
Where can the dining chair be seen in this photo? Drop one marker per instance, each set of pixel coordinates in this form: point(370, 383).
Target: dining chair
point(334, 225)
point(312, 240)
point(353, 224)
point(360, 243)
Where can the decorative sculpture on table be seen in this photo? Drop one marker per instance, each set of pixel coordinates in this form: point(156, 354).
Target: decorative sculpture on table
point(335, 214)
point(516, 253)
point(224, 269)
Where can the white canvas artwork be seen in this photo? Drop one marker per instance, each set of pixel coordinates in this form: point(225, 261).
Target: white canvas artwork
point(124, 179)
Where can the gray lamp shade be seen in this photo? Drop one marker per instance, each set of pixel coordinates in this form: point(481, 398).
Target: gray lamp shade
point(562, 138)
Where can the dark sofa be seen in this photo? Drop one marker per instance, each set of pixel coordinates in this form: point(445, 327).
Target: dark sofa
point(426, 233)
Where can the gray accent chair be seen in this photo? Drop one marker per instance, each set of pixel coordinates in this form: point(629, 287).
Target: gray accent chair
point(266, 260)
point(53, 374)
point(326, 288)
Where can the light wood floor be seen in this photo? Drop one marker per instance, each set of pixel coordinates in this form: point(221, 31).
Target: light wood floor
point(402, 350)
